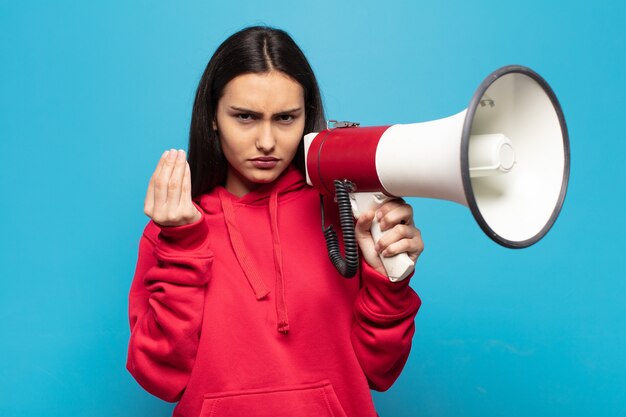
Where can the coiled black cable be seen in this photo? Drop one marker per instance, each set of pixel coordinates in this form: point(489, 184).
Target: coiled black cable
point(346, 266)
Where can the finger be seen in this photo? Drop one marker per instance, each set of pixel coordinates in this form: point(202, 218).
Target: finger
point(160, 164)
point(364, 224)
point(186, 199)
point(365, 241)
point(185, 196)
point(148, 204)
point(391, 204)
point(394, 213)
point(413, 246)
point(162, 179)
point(396, 234)
point(175, 184)
point(408, 246)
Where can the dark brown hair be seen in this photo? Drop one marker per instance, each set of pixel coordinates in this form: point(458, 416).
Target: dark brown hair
point(256, 49)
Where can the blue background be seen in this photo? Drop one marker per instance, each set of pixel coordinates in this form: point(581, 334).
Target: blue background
point(91, 93)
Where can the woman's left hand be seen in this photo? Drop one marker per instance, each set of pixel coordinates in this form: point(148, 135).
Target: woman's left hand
point(396, 219)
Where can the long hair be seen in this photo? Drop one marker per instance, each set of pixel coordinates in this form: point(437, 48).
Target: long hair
point(256, 49)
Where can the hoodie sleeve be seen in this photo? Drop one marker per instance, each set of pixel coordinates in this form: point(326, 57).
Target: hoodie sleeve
point(165, 306)
point(384, 326)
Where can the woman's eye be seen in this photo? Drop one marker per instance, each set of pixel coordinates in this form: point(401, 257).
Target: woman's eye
point(244, 117)
point(286, 118)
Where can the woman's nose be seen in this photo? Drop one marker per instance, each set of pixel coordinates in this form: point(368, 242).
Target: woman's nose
point(265, 138)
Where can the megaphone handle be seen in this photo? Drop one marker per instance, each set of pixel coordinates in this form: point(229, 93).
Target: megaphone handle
point(399, 266)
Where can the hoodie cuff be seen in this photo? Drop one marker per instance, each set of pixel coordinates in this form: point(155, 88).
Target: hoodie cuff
point(189, 237)
point(384, 298)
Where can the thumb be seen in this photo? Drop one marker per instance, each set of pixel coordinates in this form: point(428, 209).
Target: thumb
point(364, 224)
point(366, 242)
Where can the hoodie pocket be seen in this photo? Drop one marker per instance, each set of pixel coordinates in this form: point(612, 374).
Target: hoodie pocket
point(309, 400)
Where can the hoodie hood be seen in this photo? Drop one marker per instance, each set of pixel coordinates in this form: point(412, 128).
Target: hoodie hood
point(269, 195)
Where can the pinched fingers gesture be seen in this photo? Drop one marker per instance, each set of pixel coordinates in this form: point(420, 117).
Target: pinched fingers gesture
point(168, 200)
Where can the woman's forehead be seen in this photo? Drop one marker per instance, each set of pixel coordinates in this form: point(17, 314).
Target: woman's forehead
point(266, 92)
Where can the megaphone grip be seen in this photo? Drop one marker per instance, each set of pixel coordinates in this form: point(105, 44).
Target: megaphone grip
point(399, 266)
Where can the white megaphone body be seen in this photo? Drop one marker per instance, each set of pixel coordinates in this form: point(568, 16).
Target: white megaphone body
point(505, 157)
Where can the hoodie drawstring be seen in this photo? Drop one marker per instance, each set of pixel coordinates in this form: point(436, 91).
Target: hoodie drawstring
point(281, 308)
point(247, 264)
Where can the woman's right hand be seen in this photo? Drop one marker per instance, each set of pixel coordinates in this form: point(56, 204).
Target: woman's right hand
point(168, 200)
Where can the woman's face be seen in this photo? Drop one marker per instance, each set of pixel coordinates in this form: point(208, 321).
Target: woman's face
point(260, 122)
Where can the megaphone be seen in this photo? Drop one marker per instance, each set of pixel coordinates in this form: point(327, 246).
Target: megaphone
point(505, 157)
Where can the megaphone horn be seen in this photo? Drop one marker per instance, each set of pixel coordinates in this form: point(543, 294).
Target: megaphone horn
point(505, 157)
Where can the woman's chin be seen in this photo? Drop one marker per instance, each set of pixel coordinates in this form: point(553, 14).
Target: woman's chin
point(265, 175)
point(241, 183)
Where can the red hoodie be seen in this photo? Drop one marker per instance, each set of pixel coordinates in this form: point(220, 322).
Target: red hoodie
point(242, 313)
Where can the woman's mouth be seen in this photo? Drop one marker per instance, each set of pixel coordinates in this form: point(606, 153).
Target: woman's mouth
point(264, 162)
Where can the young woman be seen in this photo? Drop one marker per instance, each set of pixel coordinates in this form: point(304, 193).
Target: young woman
point(235, 308)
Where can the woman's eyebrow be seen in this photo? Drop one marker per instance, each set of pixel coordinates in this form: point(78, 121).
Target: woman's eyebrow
point(244, 110)
point(256, 113)
point(294, 110)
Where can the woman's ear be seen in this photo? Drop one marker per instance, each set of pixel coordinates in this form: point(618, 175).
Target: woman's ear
point(214, 125)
